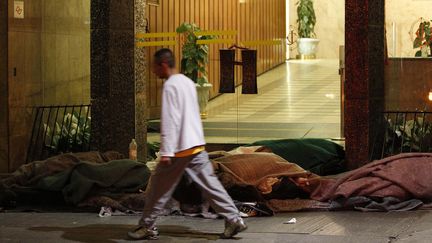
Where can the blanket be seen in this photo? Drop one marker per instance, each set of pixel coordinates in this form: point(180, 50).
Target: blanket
point(29, 174)
point(397, 183)
point(73, 177)
point(112, 178)
point(394, 179)
point(319, 156)
point(255, 176)
point(253, 169)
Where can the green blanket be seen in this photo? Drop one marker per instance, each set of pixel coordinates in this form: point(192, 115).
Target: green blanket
point(88, 179)
point(319, 156)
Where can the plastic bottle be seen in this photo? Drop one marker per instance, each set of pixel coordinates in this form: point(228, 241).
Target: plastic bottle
point(133, 147)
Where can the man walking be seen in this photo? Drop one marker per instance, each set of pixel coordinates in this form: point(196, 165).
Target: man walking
point(182, 151)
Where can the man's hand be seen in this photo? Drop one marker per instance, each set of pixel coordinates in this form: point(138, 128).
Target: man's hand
point(165, 160)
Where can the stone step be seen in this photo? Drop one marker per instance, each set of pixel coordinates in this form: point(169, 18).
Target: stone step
point(266, 130)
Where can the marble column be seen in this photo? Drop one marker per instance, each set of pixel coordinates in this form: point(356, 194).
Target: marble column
point(117, 75)
point(141, 68)
point(364, 84)
point(4, 141)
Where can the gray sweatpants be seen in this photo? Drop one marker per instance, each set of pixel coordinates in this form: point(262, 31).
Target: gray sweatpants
point(166, 177)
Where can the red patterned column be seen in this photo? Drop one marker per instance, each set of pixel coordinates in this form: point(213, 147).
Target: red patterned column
point(364, 84)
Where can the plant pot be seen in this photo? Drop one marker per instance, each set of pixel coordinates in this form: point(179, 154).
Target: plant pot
point(307, 48)
point(203, 98)
point(424, 51)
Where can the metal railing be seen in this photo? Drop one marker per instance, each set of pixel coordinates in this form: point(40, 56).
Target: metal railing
point(59, 129)
point(402, 132)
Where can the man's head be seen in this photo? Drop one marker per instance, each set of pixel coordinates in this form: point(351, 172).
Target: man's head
point(164, 63)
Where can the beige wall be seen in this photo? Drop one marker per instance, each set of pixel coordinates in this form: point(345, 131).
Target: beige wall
point(24, 87)
point(65, 51)
point(4, 154)
point(404, 14)
point(50, 49)
point(329, 28)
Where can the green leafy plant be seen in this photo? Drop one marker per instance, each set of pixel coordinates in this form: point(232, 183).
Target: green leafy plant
point(413, 135)
point(152, 149)
point(72, 134)
point(423, 37)
point(306, 19)
point(194, 56)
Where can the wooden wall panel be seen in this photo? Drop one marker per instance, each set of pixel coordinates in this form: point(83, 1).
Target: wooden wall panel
point(255, 20)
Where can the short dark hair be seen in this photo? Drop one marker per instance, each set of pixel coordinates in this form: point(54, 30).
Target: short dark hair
point(165, 55)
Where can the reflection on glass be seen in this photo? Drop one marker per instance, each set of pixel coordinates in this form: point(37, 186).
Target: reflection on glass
point(408, 69)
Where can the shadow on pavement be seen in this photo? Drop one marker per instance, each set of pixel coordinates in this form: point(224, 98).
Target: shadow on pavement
point(114, 232)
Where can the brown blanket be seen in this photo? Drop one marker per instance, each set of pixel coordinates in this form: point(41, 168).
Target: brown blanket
point(30, 174)
point(404, 176)
point(400, 182)
point(253, 169)
point(255, 172)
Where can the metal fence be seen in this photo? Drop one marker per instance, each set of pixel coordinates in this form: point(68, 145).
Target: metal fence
point(59, 129)
point(402, 132)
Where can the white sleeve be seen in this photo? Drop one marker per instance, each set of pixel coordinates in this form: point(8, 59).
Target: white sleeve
point(170, 122)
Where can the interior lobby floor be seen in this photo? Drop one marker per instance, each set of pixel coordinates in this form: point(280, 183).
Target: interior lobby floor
point(298, 99)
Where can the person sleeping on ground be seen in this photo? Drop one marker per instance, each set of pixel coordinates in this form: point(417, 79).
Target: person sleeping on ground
point(395, 183)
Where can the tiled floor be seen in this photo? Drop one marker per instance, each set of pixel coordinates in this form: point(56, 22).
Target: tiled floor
point(297, 99)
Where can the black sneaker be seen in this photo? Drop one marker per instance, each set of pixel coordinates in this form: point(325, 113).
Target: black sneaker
point(233, 228)
point(142, 233)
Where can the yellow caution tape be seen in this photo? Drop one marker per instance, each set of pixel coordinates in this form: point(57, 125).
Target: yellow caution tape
point(201, 42)
point(216, 32)
point(215, 41)
point(155, 43)
point(156, 35)
point(262, 42)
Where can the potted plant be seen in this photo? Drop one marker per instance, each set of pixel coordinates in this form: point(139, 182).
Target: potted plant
point(307, 43)
point(193, 62)
point(423, 39)
point(72, 134)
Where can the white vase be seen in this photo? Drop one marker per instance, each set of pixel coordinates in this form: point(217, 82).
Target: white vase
point(424, 51)
point(203, 92)
point(307, 48)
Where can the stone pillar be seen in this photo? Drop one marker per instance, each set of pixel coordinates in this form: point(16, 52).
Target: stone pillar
point(117, 75)
point(364, 84)
point(4, 118)
point(141, 68)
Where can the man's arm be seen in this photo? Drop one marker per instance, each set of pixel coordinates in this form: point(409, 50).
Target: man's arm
point(170, 122)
